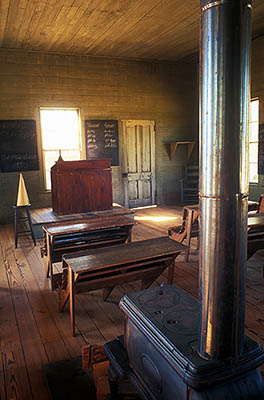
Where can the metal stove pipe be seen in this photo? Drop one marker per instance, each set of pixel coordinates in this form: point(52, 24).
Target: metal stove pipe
point(224, 100)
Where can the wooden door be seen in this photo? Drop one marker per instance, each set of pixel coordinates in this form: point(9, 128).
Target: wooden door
point(139, 163)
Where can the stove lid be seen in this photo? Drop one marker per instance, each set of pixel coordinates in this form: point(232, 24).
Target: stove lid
point(167, 312)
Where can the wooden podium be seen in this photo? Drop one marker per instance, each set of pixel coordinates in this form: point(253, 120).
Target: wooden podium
point(81, 186)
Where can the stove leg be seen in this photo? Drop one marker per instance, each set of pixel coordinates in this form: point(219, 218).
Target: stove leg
point(113, 382)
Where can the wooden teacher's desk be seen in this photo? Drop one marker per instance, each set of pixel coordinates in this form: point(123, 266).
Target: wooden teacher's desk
point(81, 186)
point(105, 268)
point(84, 234)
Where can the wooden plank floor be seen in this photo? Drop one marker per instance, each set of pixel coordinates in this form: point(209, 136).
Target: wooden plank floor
point(33, 332)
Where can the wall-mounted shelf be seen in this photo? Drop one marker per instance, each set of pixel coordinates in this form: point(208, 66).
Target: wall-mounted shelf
point(172, 146)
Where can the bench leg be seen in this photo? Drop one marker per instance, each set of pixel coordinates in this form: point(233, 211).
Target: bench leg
point(64, 291)
point(107, 292)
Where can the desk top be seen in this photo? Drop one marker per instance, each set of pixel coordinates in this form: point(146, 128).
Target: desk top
point(123, 254)
point(83, 225)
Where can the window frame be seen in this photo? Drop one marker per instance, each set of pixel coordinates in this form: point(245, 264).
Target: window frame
point(253, 142)
point(43, 151)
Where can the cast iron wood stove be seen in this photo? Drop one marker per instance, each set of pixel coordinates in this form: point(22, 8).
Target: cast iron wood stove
point(159, 352)
point(175, 348)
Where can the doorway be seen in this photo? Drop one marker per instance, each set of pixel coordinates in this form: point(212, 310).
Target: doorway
point(139, 163)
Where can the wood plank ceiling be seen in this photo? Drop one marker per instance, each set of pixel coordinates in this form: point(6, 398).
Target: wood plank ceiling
point(165, 30)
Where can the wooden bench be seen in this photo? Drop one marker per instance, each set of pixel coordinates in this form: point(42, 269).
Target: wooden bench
point(105, 268)
point(67, 237)
point(188, 229)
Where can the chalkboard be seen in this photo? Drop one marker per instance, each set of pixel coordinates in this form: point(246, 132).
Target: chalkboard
point(261, 150)
point(101, 137)
point(18, 146)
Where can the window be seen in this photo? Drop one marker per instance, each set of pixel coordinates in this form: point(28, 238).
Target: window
point(253, 140)
point(60, 130)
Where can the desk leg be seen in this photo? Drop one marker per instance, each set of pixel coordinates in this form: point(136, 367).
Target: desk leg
point(72, 312)
point(171, 270)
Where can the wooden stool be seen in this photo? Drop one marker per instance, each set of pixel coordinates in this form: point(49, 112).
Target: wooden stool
point(18, 219)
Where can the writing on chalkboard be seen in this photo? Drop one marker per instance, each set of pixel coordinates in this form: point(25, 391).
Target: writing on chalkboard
point(91, 139)
point(102, 140)
point(18, 150)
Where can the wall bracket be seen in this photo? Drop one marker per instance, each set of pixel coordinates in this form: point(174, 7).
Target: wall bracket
point(172, 146)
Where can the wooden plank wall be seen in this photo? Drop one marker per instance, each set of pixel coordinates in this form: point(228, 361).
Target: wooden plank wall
point(101, 88)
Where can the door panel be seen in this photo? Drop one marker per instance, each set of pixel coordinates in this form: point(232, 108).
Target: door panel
point(139, 163)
